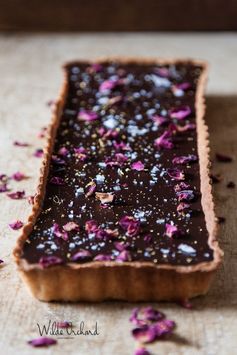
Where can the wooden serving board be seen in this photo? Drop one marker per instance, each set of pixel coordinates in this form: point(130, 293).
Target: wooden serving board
point(30, 76)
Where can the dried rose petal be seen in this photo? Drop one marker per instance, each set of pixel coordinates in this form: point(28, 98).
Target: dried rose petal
point(130, 225)
point(21, 144)
point(18, 176)
point(185, 195)
point(38, 153)
point(57, 160)
point(142, 316)
point(162, 71)
point(59, 234)
point(223, 158)
point(3, 177)
point(3, 188)
point(185, 159)
point(181, 186)
point(182, 206)
point(180, 112)
point(18, 195)
point(124, 256)
point(16, 225)
point(185, 303)
point(145, 333)
point(138, 165)
point(88, 116)
point(64, 324)
point(110, 133)
point(30, 199)
point(142, 351)
point(91, 226)
point(176, 174)
point(160, 120)
point(92, 188)
point(56, 180)
point(118, 160)
point(164, 141)
point(121, 246)
point(63, 151)
point(102, 257)
point(104, 197)
point(94, 68)
point(47, 261)
point(109, 85)
point(148, 238)
point(42, 341)
point(113, 100)
point(111, 232)
point(182, 86)
point(81, 255)
point(171, 230)
point(71, 226)
point(164, 327)
point(186, 127)
point(81, 153)
point(121, 146)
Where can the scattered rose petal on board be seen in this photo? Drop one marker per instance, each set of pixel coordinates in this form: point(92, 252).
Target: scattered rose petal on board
point(4, 188)
point(42, 341)
point(38, 153)
point(18, 176)
point(16, 225)
point(142, 351)
point(64, 324)
point(138, 165)
point(18, 195)
point(47, 261)
point(21, 144)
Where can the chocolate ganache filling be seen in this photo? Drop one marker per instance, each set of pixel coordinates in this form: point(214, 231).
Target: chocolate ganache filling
point(124, 180)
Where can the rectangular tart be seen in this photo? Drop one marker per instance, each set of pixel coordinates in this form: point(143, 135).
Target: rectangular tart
point(124, 208)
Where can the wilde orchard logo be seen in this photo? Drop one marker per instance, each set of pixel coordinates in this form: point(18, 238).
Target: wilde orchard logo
point(67, 330)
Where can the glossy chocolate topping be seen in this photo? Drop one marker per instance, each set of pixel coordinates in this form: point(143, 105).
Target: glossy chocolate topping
point(124, 180)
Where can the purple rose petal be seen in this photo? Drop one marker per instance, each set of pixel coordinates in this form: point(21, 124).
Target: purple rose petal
point(121, 246)
point(159, 120)
point(16, 225)
point(47, 261)
point(171, 230)
point(63, 151)
point(102, 257)
point(130, 225)
point(124, 256)
point(58, 233)
point(91, 190)
point(182, 207)
point(142, 316)
point(164, 327)
point(176, 174)
point(3, 188)
point(138, 165)
point(164, 141)
point(18, 176)
point(145, 333)
point(88, 116)
point(91, 226)
point(181, 186)
point(64, 324)
point(180, 113)
point(38, 153)
point(185, 159)
point(21, 144)
point(81, 255)
point(109, 85)
point(142, 351)
point(42, 341)
point(185, 195)
point(18, 195)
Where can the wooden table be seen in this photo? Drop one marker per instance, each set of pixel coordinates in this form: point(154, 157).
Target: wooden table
point(30, 76)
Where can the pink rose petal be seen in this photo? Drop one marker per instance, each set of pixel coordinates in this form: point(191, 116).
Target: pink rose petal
point(138, 165)
point(180, 112)
point(64, 324)
point(42, 341)
point(142, 351)
point(3, 188)
point(58, 233)
point(18, 195)
point(164, 141)
point(88, 116)
point(145, 334)
point(109, 85)
point(47, 261)
point(16, 225)
point(18, 176)
point(63, 151)
point(159, 120)
point(185, 159)
point(71, 226)
point(102, 257)
point(144, 315)
point(38, 153)
point(124, 256)
point(171, 230)
point(81, 255)
point(92, 189)
point(182, 207)
point(176, 174)
point(130, 225)
point(104, 197)
point(91, 226)
point(185, 195)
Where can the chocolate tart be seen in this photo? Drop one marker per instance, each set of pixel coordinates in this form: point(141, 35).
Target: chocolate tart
point(124, 207)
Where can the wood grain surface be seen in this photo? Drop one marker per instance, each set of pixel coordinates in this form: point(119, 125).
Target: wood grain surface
point(30, 76)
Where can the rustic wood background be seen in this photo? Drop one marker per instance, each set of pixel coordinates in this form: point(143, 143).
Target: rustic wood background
point(118, 15)
point(30, 75)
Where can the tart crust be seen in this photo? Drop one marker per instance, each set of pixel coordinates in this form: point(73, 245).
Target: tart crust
point(128, 281)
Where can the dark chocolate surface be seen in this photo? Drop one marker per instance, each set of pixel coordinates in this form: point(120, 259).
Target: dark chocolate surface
point(112, 118)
